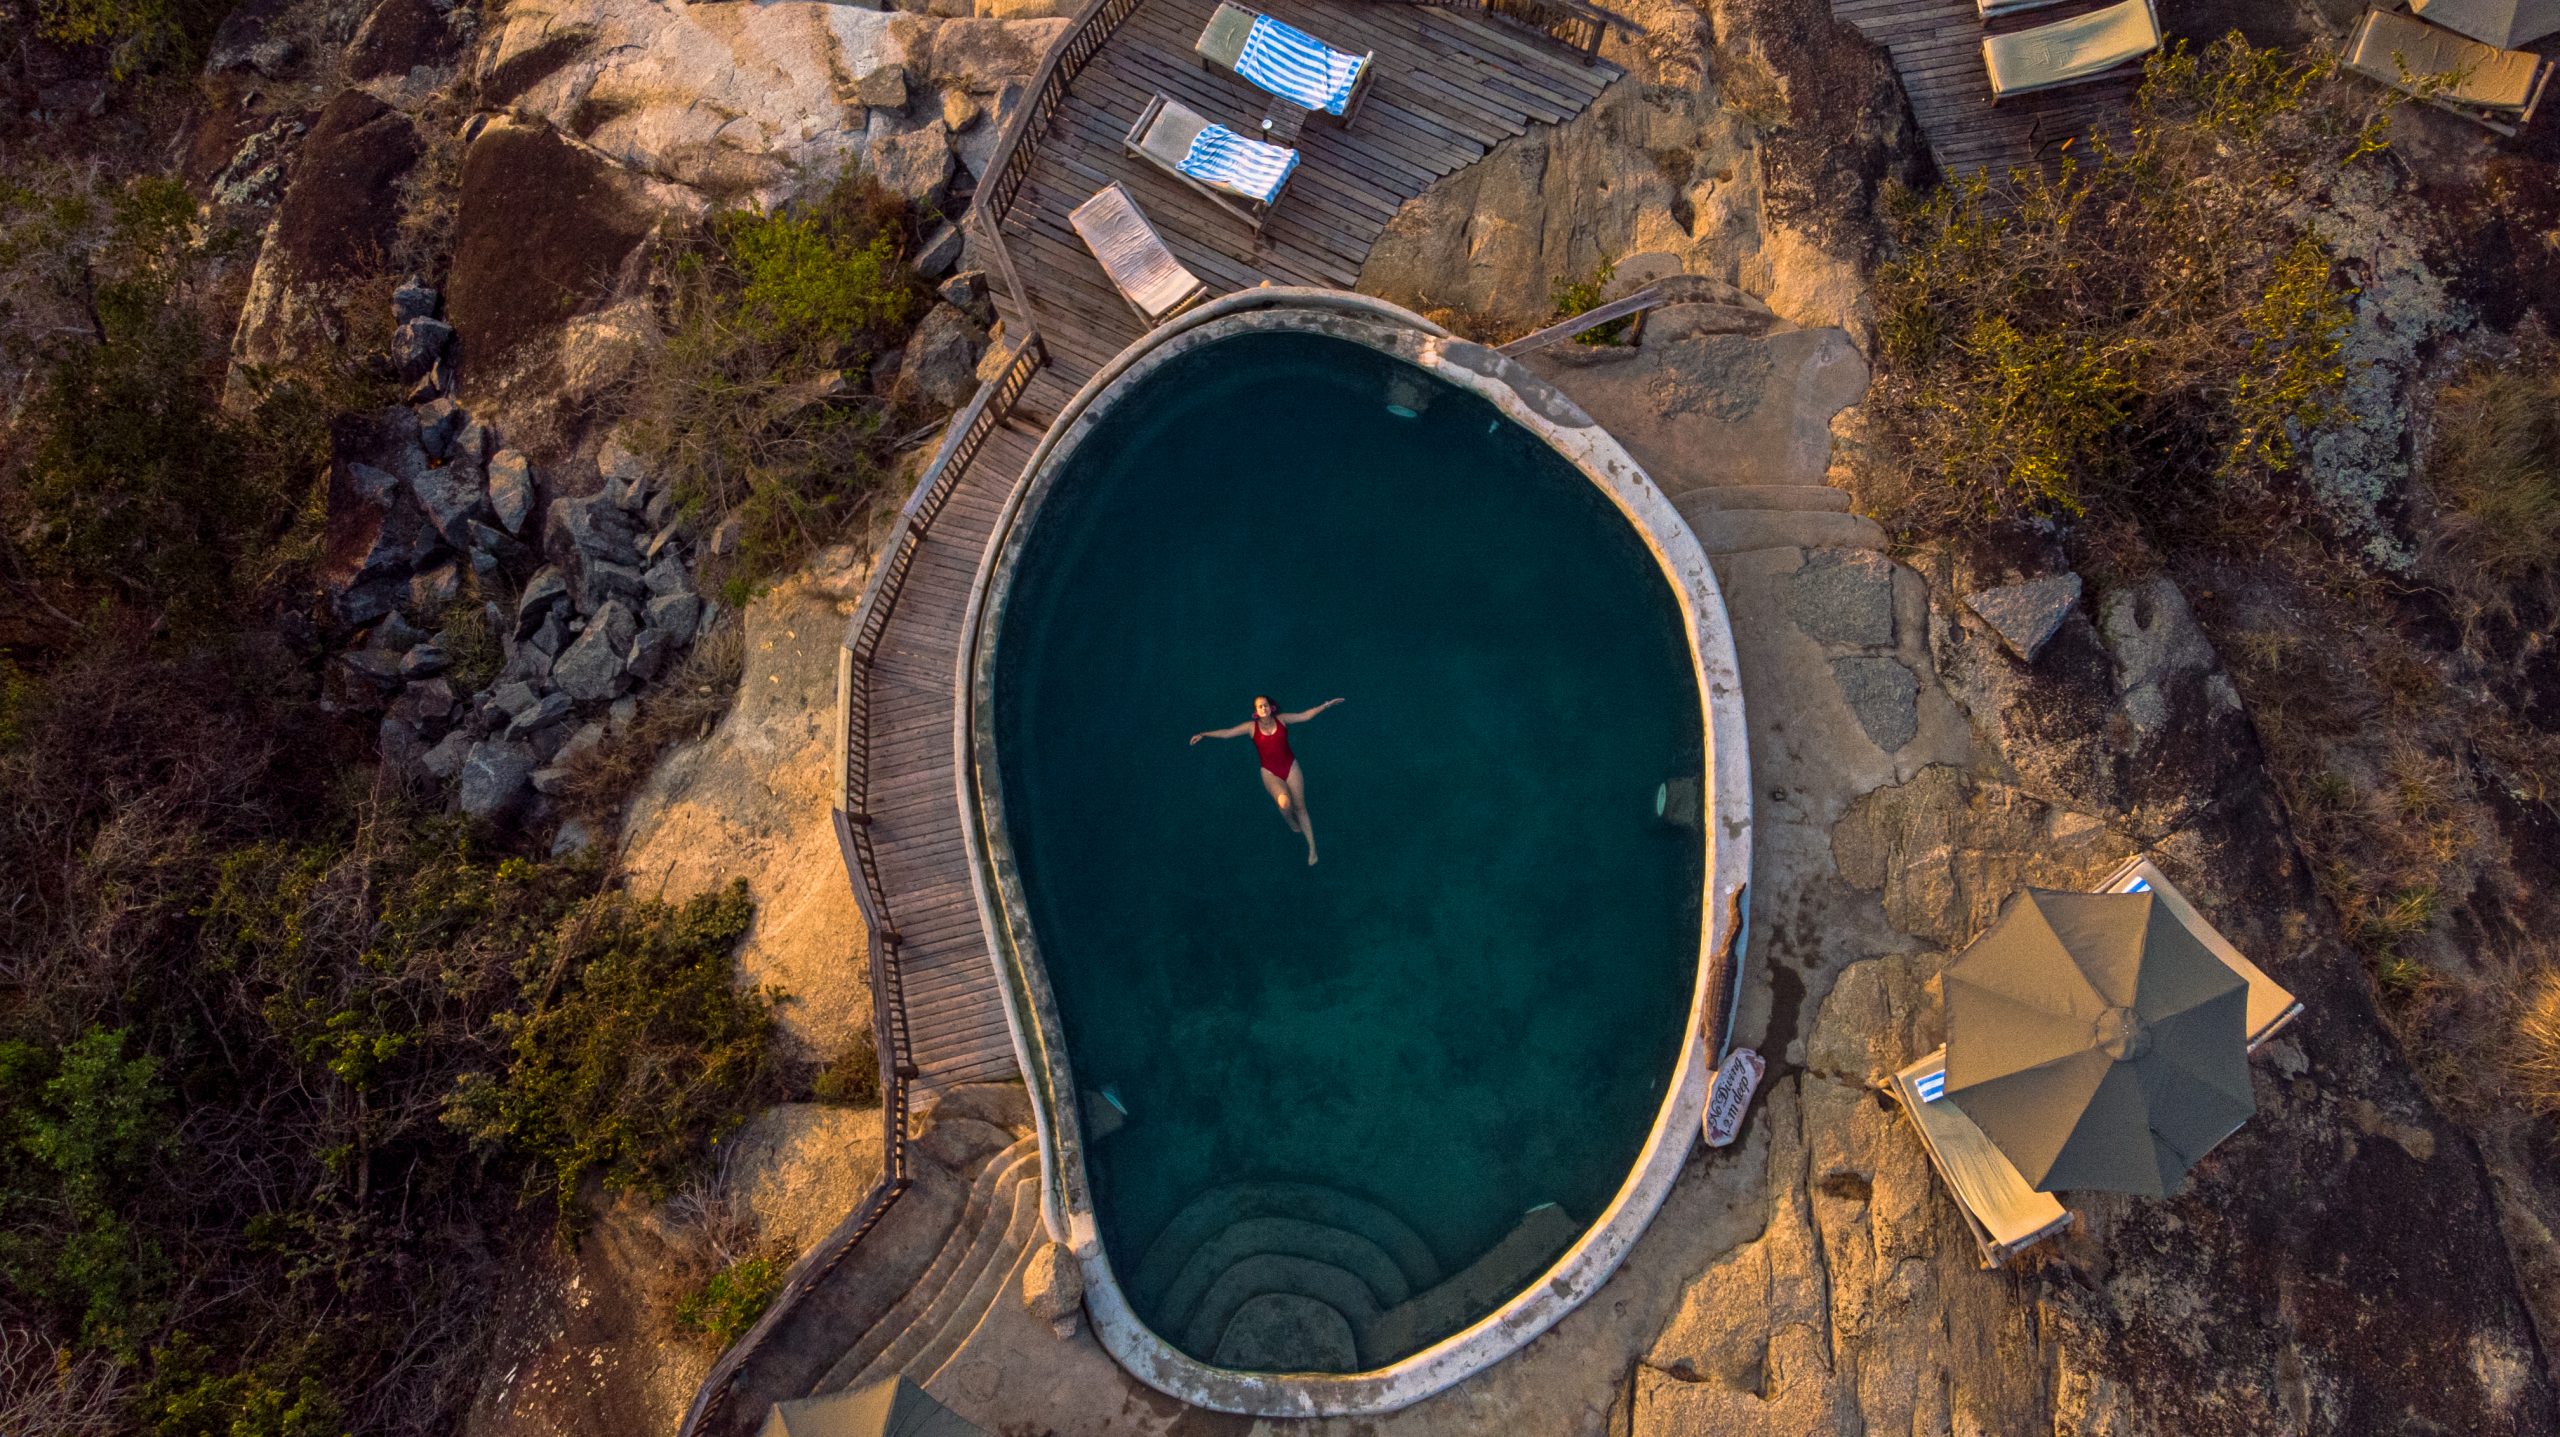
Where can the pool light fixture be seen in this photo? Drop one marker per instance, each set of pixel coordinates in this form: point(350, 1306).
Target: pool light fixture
point(1407, 396)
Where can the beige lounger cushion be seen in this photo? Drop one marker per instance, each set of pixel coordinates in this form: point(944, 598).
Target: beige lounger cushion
point(1133, 254)
point(2004, 1213)
point(2488, 78)
point(1221, 42)
point(2080, 48)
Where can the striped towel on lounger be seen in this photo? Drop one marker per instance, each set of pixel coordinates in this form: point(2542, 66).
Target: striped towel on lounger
point(1297, 66)
point(1249, 167)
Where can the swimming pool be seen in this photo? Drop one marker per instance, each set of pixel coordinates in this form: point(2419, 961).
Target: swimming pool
point(1311, 1121)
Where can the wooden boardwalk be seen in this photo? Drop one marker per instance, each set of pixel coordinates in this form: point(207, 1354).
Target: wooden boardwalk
point(1450, 85)
point(1936, 47)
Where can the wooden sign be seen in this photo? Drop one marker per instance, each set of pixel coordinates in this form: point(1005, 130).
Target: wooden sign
point(1729, 1096)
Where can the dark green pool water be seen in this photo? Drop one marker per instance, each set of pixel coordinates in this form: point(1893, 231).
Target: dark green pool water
point(1473, 1005)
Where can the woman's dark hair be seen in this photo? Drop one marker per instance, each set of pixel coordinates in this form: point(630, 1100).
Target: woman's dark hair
point(1260, 699)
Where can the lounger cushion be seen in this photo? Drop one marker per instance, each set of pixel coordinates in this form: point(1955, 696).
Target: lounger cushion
point(1222, 39)
point(2488, 78)
point(1132, 253)
point(1996, 1199)
point(2079, 48)
point(1221, 157)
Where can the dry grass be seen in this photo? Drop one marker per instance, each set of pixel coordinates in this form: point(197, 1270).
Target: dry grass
point(2535, 1063)
point(2495, 476)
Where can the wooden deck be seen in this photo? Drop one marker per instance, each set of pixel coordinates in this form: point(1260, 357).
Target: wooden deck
point(1449, 86)
point(1936, 47)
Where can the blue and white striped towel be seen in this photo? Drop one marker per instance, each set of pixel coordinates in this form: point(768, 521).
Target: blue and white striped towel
point(1931, 1086)
point(1297, 66)
point(1249, 167)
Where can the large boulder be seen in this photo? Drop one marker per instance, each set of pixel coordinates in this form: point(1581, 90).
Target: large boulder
point(980, 56)
point(543, 230)
point(914, 165)
point(339, 217)
point(942, 357)
point(401, 37)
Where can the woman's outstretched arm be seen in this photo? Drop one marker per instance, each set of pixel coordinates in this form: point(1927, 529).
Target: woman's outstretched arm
point(1237, 731)
point(1302, 715)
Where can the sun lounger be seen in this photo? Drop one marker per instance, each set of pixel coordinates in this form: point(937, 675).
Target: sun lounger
point(1145, 272)
point(2005, 1215)
point(2499, 89)
point(2271, 1006)
point(1994, 9)
point(1241, 176)
point(1282, 60)
point(2067, 52)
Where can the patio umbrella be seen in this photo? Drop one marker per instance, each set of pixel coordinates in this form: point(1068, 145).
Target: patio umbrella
point(2503, 23)
point(2097, 1043)
point(895, 1407)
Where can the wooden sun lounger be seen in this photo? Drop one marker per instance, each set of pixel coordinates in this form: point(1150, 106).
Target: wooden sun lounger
point(1163, 135)
point(1994, 9)
point(2271, 1005)
point(2005, 1215)
point(2070, 52)
point(1145, 272)
point(1221, 46)
point(2494, 88)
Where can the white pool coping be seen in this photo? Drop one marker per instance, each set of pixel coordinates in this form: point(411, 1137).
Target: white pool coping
point(1030, 1010)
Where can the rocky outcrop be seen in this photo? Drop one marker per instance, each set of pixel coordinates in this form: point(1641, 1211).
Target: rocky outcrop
point(336, 224)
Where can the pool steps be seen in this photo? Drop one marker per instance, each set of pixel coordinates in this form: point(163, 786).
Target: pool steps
point(1007, 1186)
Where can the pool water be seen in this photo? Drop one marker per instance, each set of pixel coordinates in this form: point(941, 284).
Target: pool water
point(1350, 1108)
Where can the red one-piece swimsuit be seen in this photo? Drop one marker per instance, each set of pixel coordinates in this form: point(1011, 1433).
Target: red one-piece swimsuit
point(1274, 748)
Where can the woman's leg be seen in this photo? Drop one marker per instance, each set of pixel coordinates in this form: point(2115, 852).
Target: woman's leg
point(1280, 795)
point(1306, 823)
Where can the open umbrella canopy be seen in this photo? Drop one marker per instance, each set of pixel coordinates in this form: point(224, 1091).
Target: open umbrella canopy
point(2503, 23)
point(892, 1408)
point(2097, 1043)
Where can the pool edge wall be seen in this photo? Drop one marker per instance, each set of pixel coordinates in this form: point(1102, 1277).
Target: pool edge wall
point(1031, 1012)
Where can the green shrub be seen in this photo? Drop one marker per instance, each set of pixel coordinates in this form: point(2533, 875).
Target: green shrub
point(2146, 334)
point(761, 306)
point(83, 1124)
point(730, 1300)
point(637, 1052)
point(1581, 296)
point(852, 1079)
point(186, 1399)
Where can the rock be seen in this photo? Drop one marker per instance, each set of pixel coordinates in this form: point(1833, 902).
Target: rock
point(431, 589)
point(489, 543)
point(966, 291)
point(674, 613)
point(541, 714)
point(667, 577)
point(914, 165)
point(340, 212)
point(377, 667)
point(399, 37)
point(600, 582)
point(942, 357)
point(572, 839)
point(438, 421)
point(622, 714)
point(253, 178)
point(724, 538)
point(445, 759)
point(552, 778)
point(1884, 694)
point(416, 346)
point(710, 620)
point(941, 250)
point(1946, 850)
point(2027, 615)
point(882, 89)
point(250, 40)
point(979, 56)
point(510, 489)
point(511, 698)
point(1026, 9)
point(427, 703)
point(2157, 642)
point(541, 230)
point(472, 443)
point(1843, 596)
point(394, 635)
point(452, 498)
point(412, 300)
point(960, 110)
point(424, 662)
point(599, 352)
point(547, 589)
point(551, 637)
point(494, 780)
point(1053, 1288)
point(649, 651)
point(594, 668)
point(595, 527)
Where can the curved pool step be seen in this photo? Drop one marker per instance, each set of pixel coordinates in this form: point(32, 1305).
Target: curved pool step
point(995, 1182)
point(965, 1305)
point(1336, 1247)
point(1363, 1223)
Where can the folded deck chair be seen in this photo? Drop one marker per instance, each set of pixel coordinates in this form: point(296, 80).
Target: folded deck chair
point(1242, 176)
point(1147, 275)
point(2005, 1215)
point(2496, 88)
point(2067, 52)
point(2271, 1005)
point(1286, 61)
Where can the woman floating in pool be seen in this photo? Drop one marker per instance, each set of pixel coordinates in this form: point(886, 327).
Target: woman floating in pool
point(1282, 774)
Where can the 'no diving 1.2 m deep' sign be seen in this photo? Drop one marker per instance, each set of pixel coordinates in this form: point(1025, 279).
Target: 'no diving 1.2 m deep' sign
point(1729, 1096)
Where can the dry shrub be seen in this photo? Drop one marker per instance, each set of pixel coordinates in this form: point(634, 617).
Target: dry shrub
point(2495, 476)
point(2535, 1063)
